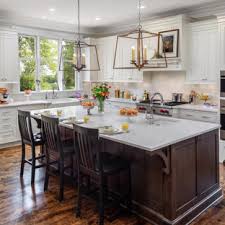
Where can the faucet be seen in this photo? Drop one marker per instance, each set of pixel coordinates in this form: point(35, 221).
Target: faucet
point(149, 112)
point(54, 94)
point(153, 96)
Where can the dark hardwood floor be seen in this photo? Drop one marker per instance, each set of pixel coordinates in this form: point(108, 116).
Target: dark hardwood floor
point(20, 203)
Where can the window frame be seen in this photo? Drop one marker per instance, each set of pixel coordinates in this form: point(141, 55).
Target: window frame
point(62, 66)
point(35, 57)
point(60, 74)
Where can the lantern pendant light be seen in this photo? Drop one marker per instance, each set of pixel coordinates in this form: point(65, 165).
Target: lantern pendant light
point(139, 42)
point(82, 52)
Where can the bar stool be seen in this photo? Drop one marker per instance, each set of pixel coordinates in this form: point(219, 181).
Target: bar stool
point(58, 153)
point(93, 162)
point(30, 139)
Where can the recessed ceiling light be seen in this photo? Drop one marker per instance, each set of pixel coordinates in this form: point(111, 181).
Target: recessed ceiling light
point(98, 18)
point(142, 7)
point(52, 10)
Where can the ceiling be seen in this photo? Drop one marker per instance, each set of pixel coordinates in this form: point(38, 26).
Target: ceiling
point(110, 12)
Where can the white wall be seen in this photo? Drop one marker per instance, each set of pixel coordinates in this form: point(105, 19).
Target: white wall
point(166, 83)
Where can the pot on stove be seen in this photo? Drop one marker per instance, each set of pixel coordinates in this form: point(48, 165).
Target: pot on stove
point(177, 97)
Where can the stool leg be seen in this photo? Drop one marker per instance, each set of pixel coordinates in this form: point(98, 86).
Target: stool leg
point(22, 160)
point(78, 209)
point(61, 191)
point(101, 202)
point(129, 190)
point(46, 177)
point(33, 165)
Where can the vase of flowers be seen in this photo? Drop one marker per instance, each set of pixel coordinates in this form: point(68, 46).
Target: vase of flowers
point(100, 93)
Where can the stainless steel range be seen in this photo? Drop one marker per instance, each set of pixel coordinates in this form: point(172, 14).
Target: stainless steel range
point(165, 109)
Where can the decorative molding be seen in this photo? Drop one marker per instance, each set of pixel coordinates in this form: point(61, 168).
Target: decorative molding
point(164, 154)
point(202, 11)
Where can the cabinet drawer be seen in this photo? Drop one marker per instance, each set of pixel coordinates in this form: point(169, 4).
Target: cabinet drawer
point(210, 117)
point(8, 136)
point(10, 113)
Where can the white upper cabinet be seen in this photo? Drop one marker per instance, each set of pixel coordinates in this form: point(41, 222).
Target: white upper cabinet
point(222, 41)
point(169, 24)
point(202, 62)
point(9, 63)
point(106, 51)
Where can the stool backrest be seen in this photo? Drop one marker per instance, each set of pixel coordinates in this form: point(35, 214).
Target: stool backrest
point(25, 127)
point(87, 146)
point(51, 135)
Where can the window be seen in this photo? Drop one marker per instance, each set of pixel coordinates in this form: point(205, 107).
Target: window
point(39, 61)
point(49, 64)
point(27, 62)
point(69, 74)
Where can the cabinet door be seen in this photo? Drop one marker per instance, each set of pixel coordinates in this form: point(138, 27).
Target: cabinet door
point(9, 57)
point(202, 57)
point(2, 69)
point(222, 45)
point(212, 65)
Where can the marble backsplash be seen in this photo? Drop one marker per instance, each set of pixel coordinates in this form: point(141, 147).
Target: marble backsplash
point(165, 83)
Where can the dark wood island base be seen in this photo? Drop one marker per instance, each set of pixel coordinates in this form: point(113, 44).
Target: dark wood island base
point(175, 184)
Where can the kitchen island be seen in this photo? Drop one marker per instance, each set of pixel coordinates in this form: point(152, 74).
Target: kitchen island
point(174, 162)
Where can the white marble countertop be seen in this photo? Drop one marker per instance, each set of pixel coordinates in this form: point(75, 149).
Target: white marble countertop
point(164, 132)
point(122, 100)
point(39, 102)
point(199, 107)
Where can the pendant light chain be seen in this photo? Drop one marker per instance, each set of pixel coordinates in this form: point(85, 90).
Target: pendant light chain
point(78, 62)
point(139, 14)
point(78, 19)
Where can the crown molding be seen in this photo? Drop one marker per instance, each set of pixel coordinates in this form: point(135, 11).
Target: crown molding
point(9, 19)
point(203, 11)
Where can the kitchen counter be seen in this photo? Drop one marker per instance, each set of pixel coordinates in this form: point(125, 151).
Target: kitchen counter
point(121, 100)
point(164, 132)
point(199, 107)
point(174, 162)
point(40, 102)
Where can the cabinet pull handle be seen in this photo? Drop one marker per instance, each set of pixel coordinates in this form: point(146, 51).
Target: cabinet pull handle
point(205, 117)
point(188, 115)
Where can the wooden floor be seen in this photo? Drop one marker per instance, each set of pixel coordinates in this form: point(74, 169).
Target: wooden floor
point(20, 203)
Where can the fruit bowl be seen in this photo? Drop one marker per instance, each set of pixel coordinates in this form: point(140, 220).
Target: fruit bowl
point(129, 112)
point(88, 105)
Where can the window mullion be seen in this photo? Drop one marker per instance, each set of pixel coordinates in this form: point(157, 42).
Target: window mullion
point(60, 73)
point(38, 62)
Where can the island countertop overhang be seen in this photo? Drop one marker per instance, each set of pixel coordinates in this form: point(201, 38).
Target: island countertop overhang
point(150, 137)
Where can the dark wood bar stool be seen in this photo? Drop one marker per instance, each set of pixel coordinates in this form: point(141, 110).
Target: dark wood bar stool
point(58, 153)
point(31, 139)
point(93, 162)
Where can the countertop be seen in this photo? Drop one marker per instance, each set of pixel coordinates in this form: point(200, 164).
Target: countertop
point(164, 132)
point(39, 102)
point(199, 107)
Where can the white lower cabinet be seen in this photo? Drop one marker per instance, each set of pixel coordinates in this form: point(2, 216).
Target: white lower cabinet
point(211, 117)
point(8, 125)
point(222, 151)
point(9, 129)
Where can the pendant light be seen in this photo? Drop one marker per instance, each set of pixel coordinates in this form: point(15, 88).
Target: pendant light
point(139, 49)
point(85, 56)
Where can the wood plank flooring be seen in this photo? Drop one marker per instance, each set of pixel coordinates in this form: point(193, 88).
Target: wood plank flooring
point(22, 204)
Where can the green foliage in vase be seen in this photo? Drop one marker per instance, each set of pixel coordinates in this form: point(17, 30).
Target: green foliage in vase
point(101, 91)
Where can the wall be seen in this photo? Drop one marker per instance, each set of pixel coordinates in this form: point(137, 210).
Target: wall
point(165, 83)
